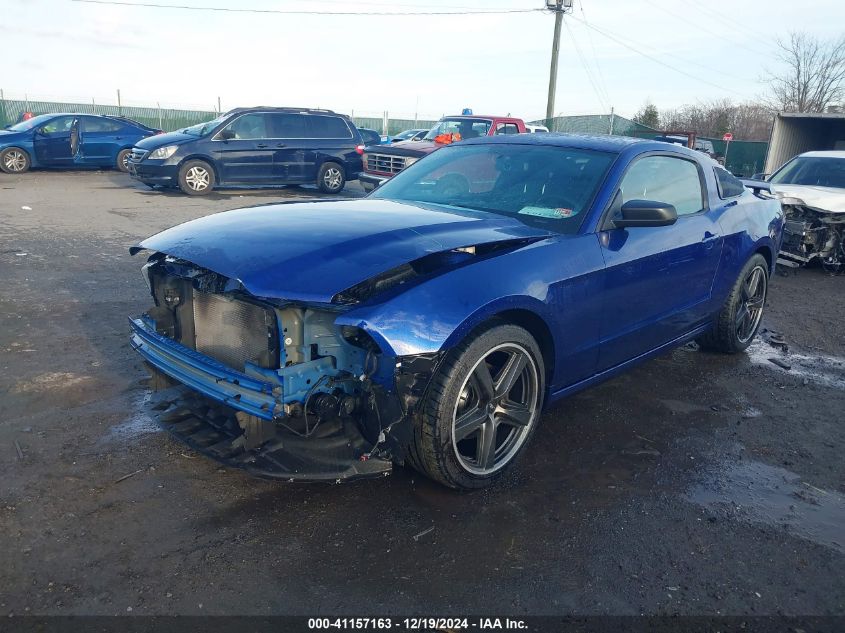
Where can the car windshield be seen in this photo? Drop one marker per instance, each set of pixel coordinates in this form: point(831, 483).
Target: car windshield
point(821, 171)
point(23, 126)
point(467, 128)
point(406, 134)
point(542, 185)
point(201, 129)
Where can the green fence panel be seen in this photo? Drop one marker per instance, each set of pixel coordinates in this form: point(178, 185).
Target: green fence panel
point(167, 119)
point(744, 158)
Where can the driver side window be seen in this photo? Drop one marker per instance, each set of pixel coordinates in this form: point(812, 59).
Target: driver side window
point(664, 179)
point(59, 124)
point(249, 126)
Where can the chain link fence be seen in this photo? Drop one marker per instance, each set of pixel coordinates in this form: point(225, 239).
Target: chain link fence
point(169, 119)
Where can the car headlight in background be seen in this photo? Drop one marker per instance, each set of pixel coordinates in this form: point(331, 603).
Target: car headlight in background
point(163, 152)
point(410, 161)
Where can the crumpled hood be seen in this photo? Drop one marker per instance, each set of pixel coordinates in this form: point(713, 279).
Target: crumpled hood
point(830, 199)
point(312, 251)
point(160, 140)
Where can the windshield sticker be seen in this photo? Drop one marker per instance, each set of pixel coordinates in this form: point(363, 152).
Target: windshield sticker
point(543, 212)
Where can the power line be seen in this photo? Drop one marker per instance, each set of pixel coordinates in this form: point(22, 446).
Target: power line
point(700, 27)
point(595, 55)
point(655, 59)
point(587, 70)
point(153, 5)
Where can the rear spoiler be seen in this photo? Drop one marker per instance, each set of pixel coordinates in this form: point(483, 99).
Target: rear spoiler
point(757, 186)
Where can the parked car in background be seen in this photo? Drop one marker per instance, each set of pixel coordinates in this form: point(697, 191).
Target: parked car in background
point(253, 147)
point(691, 140)
point(811, 188)
point(382, 163)
point(369, 137)
point(431, 322)
point(408, 135)
point(534, 129)
point(70, 141)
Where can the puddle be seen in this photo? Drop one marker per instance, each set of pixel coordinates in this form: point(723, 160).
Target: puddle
point(754, 492)
point(821, 369)
point(137, 425)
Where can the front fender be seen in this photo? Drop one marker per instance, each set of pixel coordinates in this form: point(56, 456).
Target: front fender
point(557, 280)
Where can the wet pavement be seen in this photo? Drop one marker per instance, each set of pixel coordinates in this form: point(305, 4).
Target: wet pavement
point(695, 484)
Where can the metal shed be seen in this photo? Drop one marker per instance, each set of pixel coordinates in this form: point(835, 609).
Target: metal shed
point(794, 133)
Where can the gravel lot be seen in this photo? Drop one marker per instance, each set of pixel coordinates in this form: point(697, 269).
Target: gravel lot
point(695, 484)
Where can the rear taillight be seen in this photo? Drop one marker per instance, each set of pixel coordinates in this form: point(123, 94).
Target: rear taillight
point(360, 149)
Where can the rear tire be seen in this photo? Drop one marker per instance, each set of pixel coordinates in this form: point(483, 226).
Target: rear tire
point(122, 162)
point(481, 409)
point(196, 178)
point(739, 319)
point(331, 178)
point(14, 160)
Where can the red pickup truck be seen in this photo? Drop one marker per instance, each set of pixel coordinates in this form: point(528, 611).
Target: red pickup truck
point(382, 162)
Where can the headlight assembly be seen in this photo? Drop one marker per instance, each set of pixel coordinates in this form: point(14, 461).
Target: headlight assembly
point(163, 152)
point(410, 161)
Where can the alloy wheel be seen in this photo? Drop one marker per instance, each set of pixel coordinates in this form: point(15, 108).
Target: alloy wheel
point(498, 405)
point(197, 178)
point(332, 178)
point(751, 300)
point(14, 161)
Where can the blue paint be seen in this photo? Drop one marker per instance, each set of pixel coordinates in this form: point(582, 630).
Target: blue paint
point(608, 297)
point(47, 139)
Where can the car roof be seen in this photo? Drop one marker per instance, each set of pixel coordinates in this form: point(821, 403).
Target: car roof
point(825, 154)
point(284, 109)
point(582, 141)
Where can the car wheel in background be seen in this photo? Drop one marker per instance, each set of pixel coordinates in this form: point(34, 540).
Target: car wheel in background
point(14, 160)
point(122, 163)
point(482, 408)
point(740, 317)
point(196, 178)
point(330, 178)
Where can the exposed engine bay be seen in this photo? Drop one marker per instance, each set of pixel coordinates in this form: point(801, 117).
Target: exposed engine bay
point(812, 234)
point(307, 399)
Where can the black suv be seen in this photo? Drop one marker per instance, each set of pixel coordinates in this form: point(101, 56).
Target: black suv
point(253, 146)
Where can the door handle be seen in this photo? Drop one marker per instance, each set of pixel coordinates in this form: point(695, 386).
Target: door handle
point(261, 145)
point(709, 239)
point(280, 145)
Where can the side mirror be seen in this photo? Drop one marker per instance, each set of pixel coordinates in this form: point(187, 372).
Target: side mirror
point(646, 213)
point(760, 176)
point(226, 135)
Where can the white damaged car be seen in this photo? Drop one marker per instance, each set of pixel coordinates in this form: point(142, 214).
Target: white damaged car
point(811, 188)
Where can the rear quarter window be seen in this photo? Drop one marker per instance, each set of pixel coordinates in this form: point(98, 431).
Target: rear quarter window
point(328, 127)
point(729, 185)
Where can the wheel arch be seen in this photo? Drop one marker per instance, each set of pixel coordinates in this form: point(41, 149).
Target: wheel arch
point(766, 251)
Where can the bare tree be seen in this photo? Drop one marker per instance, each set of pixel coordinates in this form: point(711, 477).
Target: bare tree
point(812, 76)
point(747, 121)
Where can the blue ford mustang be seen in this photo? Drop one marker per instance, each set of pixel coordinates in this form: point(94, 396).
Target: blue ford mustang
point(70, 140)
point(432, 321)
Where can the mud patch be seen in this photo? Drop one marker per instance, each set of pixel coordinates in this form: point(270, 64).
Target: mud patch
point(755, 492)
point(52, 381)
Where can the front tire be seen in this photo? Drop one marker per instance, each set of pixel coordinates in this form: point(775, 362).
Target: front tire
point(331, 178)
point(481, 409)
point(14, 160)
point(196, 178)
point(122, 162)
point(739, 319)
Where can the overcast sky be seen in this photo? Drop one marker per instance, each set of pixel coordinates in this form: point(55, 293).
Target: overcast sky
point(495, 64)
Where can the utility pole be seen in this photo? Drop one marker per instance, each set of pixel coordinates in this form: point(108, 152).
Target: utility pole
point(559, 7)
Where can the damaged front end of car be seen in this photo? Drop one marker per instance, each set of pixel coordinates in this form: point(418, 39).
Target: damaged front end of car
point(812, 233)
point(273, 387)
